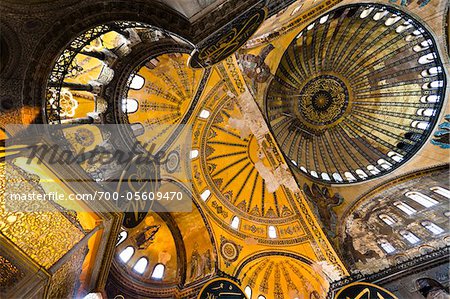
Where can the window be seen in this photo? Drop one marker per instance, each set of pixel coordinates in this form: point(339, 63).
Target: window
point(423, 125)
point(337, 177)
point(361, 174)
point(141, 265)
point(409, 236)
point(261, 297)
point(427, 58)
point(272, 232)
point(442, 191)
point(392, 20)
point(384, 164)
point(323, 19)
point(430, 99)
point(366, 12)
point(248, 292)
point(422, 199)
point(194, 154)
point(314, 174)
point(349, 176)
point(130, 106)
point(447, 213)
point(387, 219)
point(235, 222)
point(387, 247)
point(158, 271)
point(405, 208)
point(325, 176)
point(205, 195)
point(204, 114)
point(302, 168)
point(379, 15)
point(395, 156)
point(122, 237)
point(126, 254)
point(373, 170)
point(138, 129)
point(137, 82)
point(435, 229)
point(293, 162)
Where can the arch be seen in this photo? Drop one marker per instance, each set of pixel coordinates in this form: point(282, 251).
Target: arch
point(421, 199)
point(442, 191)
point(235, 222)
point(141, 265)
point(407, 209)
point(409, 236)
point(158, 271)
point(126, 254)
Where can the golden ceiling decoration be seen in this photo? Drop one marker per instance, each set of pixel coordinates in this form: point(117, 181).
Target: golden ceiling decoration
point(356, 93)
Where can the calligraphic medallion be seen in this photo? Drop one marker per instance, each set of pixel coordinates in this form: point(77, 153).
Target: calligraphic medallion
point(228, 39)
point(364, 290)
point(140, 176)
point(221, 288)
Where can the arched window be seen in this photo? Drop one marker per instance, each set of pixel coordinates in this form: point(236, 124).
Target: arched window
point(261, 297)
point(373, 170)
point(194, 154)
point(395, 156)
point(137, 82)
point(126, 254)
point(441, 191)
point(272, 232)
point(407, 209)
point(409, 236)
point(423, 125)
point(379, 15)
point(158, 271)
point(430, 99)
point(349, 176)
point(314, 174)
point(235, 222)
point(387, 219)
point(387, 247)
point(302, 168)
point(138, 129)
point(337, 177)
point(433, 228)
point(130, 106)
point(384, 164)
point(361, 174)
point(205, 195)
point(293, 162)
point(325, 176)
point(392, 20)
point(427, 58)
point(366, 12)
point(422, 199)
point(323, 19)
point(141, 265)
point(122, 237)
point(248, 292)
point(204, 114)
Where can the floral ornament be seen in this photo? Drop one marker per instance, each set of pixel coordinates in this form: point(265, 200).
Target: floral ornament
point(442, 134)
point(324, 203)
point(67, 104)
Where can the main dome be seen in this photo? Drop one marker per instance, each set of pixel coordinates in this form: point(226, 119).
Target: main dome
point(356, 93)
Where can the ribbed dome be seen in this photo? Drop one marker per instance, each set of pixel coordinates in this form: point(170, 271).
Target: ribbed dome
point(356, 93)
